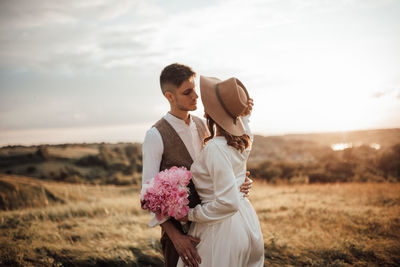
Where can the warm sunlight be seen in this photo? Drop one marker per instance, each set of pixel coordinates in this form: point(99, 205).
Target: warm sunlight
point(108, 158)
point(311, 66)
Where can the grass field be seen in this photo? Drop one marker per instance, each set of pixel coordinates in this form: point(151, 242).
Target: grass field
point(303, 225)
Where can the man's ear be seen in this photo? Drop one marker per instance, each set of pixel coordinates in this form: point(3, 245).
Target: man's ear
point(170, 96)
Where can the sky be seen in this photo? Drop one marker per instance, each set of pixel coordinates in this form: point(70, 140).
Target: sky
point(88, 71)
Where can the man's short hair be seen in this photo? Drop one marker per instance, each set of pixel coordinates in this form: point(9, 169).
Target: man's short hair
point(175, 74)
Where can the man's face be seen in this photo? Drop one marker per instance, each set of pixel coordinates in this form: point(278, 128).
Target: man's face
point(185, 96)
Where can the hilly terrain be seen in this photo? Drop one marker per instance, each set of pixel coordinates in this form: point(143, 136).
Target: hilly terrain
point(118, 164)
point(65, 224)
point(322, 200)
point(372, 155)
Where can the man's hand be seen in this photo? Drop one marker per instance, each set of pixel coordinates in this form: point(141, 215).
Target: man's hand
point(247, 184)
point(185, 245)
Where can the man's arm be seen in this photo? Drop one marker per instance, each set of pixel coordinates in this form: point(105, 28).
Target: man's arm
point(152, 150)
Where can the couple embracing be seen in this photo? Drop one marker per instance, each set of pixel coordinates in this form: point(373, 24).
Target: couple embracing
point(221, 228)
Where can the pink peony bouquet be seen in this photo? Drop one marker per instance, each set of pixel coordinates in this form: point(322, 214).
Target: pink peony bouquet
point(167, 194)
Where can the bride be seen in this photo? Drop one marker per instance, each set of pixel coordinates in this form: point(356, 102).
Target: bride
point(225, 221)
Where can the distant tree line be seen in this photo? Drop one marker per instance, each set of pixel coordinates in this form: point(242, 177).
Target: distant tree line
point(272, 159)
point(356, 164)
point(119, 164)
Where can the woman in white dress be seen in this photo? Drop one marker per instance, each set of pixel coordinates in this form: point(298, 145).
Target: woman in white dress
point(225, 221)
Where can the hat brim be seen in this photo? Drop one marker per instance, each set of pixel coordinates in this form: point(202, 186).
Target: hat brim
point(213, 107)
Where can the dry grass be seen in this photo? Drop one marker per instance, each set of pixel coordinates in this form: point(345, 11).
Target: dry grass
point(303, 225)
point(330, 225)
point(98, 225)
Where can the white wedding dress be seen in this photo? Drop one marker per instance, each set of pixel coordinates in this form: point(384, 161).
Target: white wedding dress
point(225, 221)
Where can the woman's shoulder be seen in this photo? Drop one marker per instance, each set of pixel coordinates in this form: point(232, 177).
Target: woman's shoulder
point(216, 151)
point(216, 146)
point(217, 142)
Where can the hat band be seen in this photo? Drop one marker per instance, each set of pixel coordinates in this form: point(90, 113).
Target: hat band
point(223, 105)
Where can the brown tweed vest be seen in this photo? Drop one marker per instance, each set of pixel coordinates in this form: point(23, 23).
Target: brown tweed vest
point(176, 154)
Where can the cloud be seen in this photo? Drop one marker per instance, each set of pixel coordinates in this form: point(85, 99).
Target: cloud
point(30, 14)
point(94, 63)
point(76, 35)
point(72, 35)
point(86, 35)
point(380, 94)
point(389, 92)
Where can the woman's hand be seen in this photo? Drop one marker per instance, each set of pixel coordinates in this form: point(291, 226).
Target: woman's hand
point(249, 108)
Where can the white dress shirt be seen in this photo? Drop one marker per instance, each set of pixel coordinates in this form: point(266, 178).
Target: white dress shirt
point(153, 148)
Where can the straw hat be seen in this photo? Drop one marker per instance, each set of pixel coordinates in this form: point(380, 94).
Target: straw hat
point(224, 101)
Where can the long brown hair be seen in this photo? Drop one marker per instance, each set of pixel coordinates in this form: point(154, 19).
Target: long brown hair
point(238, 142)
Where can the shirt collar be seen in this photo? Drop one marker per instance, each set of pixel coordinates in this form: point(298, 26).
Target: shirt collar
point(177, 120)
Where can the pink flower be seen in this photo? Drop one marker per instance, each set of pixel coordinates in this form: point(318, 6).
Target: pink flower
point(166, 195)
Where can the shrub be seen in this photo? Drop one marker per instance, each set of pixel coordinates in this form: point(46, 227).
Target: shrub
point(30, 169)
point(389, 162)
point(43, 153)
point(91, 161)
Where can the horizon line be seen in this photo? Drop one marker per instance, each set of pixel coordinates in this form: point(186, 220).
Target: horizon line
point(131, 141)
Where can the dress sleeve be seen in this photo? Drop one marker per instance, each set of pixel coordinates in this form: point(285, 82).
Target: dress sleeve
point(226, 202)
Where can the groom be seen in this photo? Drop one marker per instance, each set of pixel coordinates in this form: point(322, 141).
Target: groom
point(176, 140)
